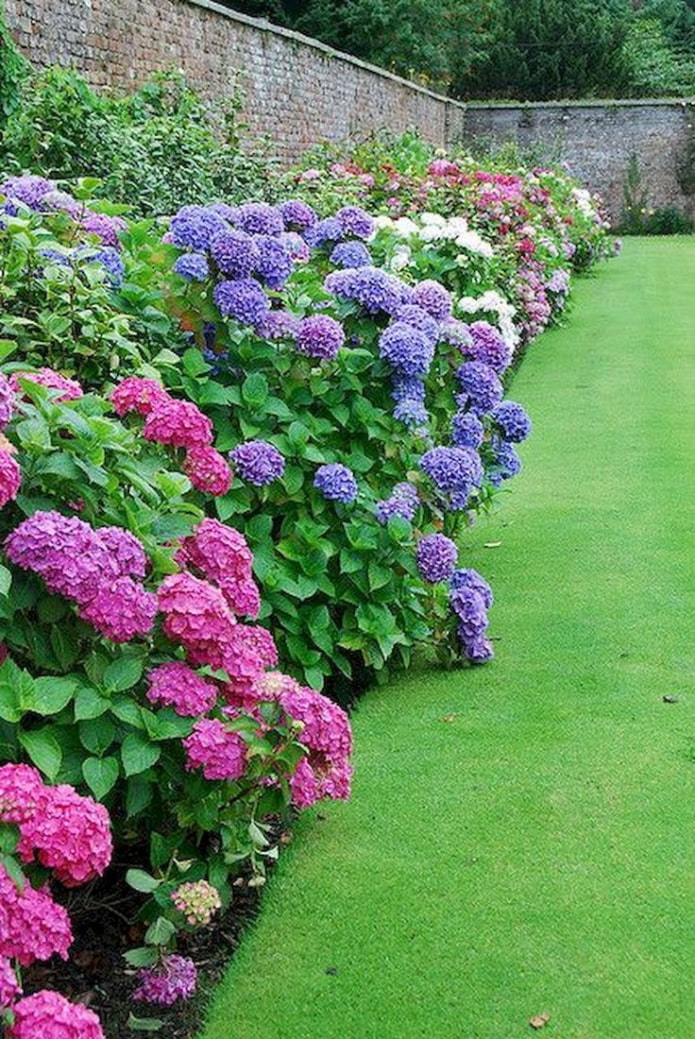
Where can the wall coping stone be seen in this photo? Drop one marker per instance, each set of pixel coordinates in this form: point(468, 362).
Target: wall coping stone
point(610, 102)
point(263, 25)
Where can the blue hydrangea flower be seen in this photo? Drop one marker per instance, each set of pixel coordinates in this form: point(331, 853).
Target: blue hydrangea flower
point(512, 420)
point(228, 213)
point(297, 249)
point(273, 263)
point(436, 558)
point(488, 346)
point(420, 319)
point(235, 253)
point(194, 227)
point(257, 462)
point(28, 189)
point(278, 324)
point(53, 256)
point(259, 218)
point(506, 461)
point(351, 254)
point(328, 230)
point(336, 482)
point(243, 299)
point(403, 502)
point(355, 221)
point(466, 430)
point(412, 413)
point(297, 215)
point(192, 266)
point(408, 387)
point(372, 288)
point(108, 258)
point(479, 651)
point(406, 348)
point(480, 386)
point(469, 578)
point(320, 336)
point(433, 298)
point(454, 471)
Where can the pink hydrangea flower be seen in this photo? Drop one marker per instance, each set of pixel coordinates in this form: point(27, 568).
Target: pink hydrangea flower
point(222, 555)
point(121, 610)
point(197, 900)
point(10, 478)
point(67, 833)
point(178, 423)
point(172, 979)
point(9, 986)
point(125, 549)
point(197, 617)
point(32, 926)
point(136, 394)
point(49, 1015)
point(220, 753)
point(71, 389)
point(178, 686)
point(208, 470)
point(6, 401)
point(20, 789)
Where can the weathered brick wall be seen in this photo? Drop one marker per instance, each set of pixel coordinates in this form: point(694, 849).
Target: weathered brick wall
point(596, 140)
point(297, 91)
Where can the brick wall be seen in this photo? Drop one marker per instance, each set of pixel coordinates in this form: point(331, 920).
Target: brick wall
point(596, 140)
point(297, 91)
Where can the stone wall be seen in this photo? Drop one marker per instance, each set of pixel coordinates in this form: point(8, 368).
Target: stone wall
point(596, 140)
point(297, 91)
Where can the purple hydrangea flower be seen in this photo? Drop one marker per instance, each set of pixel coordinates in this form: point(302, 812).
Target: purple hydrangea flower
point(297, 215)
point(454, 471)
point(234, 252)
point(488, 346)
point(328, 230)
point(372, 288)
point(53, 256)
point(351, 254)
point(29, 189)
point(411, 413)
point(106, 228)
point(336, 482)
point(257, 462)
point(228, 213)
point(479, 651)
point(406, 349)
point(320, 336)
point(513, 421)
point(559, 282)
point(469, 608)
point(278, 324)
point(273, 263)
point(433, 298)
point(243, 299)
point(6, 401)
point(175, 977)
point(112, 263)
point(466, 430)
point(297, 249)
point(403, 502)
point(506, 462)
point(481, 388)
point(455, 333)
point(192, 266)
point(195, 227)
point(408, 387)
point(259, 218)
point(355, 221)
point(436, 558)
point(472, 579)
point(420, 319)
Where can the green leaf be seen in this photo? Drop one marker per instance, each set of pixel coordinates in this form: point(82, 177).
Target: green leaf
point(139, 880)
point(100, 775)
point(138, 795)
point(144, 1024)
point(123, 673)
point(141, 957)
point(254, 390)
point(160, 932)
point(52, 694)
point(138, 753)
point(97, 734)
point(89, 704)
point(44, 750)
point(5, 580)
point(194, 363)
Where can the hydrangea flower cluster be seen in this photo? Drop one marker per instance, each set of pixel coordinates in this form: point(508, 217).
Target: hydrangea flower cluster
point(179, 424)
point(222, 555)
point(69, 389)
point(198, 901)
point(174, 978)
point(454, 471)
point(41, 195)
point(320, 336)
point(32, 926)
point(176, 685)
point(481, 389)
point(436, 557)
point(214, 748)
point(375, 290)
point(488, 346)
point(336, 483)
point(512, 421)
point(74, 561)
point(258, 462)
point(470, 598)
point(52, 1016)
point(404, 501)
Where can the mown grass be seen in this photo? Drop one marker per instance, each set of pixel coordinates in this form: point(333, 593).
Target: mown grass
point(520, 836)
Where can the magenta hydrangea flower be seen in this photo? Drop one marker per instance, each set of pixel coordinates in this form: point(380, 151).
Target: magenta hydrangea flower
point(222, 555)
point(51, 1016)
point(6, 401)
point(320, 336)
point(207, 470)
point(136, 394)
point(177, 685)
point(235, 253)
point(9, 986)
point(32, 926)
point(70, 388)
point(433, 298)
point(125, 549)
point(20, 787)
point(197, 617)
point(121, 610)
point(436, 557)
point(178, 423)
point(247, 653)
point(10, 478)
point(258, 462)
point(221, 754)
point(243, 299)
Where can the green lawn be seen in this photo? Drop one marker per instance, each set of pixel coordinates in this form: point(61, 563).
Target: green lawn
point(530, 853)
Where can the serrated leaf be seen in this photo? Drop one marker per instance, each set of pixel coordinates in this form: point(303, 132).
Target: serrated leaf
point(141, 957)
point(44, 750)
point(52, 694)
point(138, 753)
point(100, 775)
point(123, 673)
point(160, 932)
point(139, 880)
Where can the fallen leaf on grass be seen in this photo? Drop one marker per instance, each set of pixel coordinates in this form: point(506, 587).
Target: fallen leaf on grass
point(451, 717)
point(540, 1021)
point(670, 699)
point(492, 544)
